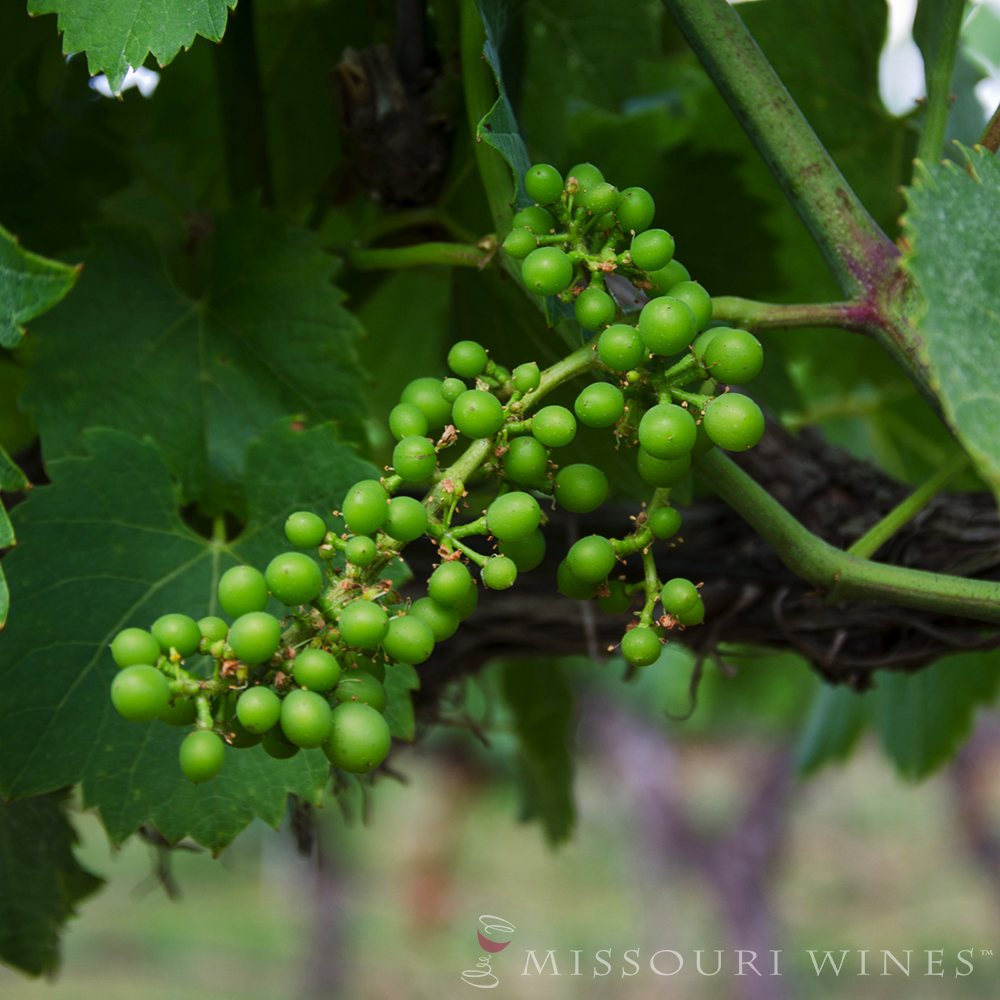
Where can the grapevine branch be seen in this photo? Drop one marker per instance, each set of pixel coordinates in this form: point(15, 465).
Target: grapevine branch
point(938, 76)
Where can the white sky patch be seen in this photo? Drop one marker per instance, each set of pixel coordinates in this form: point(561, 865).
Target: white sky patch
point(144, 79)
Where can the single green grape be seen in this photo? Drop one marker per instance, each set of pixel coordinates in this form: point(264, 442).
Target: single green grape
point(535, 220)
point(242, 589)
point(468, 359)
point(662, 471)
point(580, 488)
point(520, 242)
point(140, 692)
point(546, 271)
point(600, 199)
point(665, 522)
point(238, 736)
point(554, 426)
point(425, 395)
point(135, 645)
point(667, 431)
point(449, 583)
point(405, 420)
point(678, 595)
point(408, 640)
point(468, 603)
point(641, 647)
point(499, 573)
point(359, 663)
point(315, 669)
point(620, 347)
point(667, 325)
point(363, 624)
point(570, 585)
point(543, 183)
point(526, 460)
point(599, 404)
point(587, 176)
point(177, 632)
point(258, 709)
point(652, 249)
point(305, 530)
point(202, 755)
point(477, 413)
point(734, 356)
point(664, 278)
point(255, 637)
point(697, 298)
point(365, 508)
point(275, 744)
point(305, 718)
point(527, 377)
point(702, 341)
point(442, 619)
point(733, 422)
point(294, 578)
point(694, 615)
point(635, 210)
point(213, 629)
point(591, 558)
point(359, 738)
point(616, 601)
point(526, 553)
point(362, 687)
point(407, 519)
point(414, 458)
point(513, 516)
point(361, 550)
point(179, 712)
point(594, 308)
point(452, 388)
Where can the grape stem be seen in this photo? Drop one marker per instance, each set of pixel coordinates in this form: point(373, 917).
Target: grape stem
point(835, 571)
point(754, 316)
point(422, 254)
point(938, 76)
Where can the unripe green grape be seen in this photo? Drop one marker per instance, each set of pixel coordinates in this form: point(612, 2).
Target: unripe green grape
point(580, 488)
point(535, 220)
point(734, 356)
point(452, 388)
point(667, 325)
point(652, 249)
point(601, 198)
point(140, 692)
point(519, 243)
point(213, 629)
point(363, 689)
point(665, 522)
point(617, 601)
point(620, 347)
point(501, 373)
point(449, 583)
point(365, 508)
point(242, 589)
point(202, 755)
point(408, 640)
point(587, 176)
point(571, 586)
point(526, 460)
point(594, 308)
point(599, 405)
point(305, 530)
point(702, 443)
point(554, 426)
point(258, 709)
point(178, 632)
point(468, 603)
point(315, 669)
point(363, 624)
point(135, 645)
point(678, 595)
point(405, 419)
point(662, 471)
point(477, 413)
point(442, 620)
point(275, 744)
point(359, 740)
point(635, 210)
point(527, 553)
point(414, 458)
point(361, 550)
point(546, 271)
point(293, 578)
point(180, 711)
point(305, 719)
point(641, 646)
point(733, 422)
point(527, 377)
point(694, 615)
point(591, 558)
point(499, 573)
point(407, 519)
point(425, 395)
point(366, 664)
point(255, 637)
point(238, 736)
point(468, 359)
point(513, 516)
point(667, 431)
point(543, 183)
point(664, 278)
point(702, 341)
point(697, 298)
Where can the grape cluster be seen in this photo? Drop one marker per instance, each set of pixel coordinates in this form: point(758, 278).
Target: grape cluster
point(661, 387)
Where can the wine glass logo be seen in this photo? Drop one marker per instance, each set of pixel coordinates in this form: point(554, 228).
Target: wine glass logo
point(494, 925)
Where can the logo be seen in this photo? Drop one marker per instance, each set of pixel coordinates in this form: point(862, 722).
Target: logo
point(482, 976)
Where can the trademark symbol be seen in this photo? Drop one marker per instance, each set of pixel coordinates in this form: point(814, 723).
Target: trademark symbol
point(986, 951)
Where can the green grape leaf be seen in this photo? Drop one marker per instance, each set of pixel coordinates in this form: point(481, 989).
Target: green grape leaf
point(29, 285)
point(267, 336)
point(952, 252)
point(119, 34)
point(835, 722)
point(12, 480)
point(541, 701)
point(400, 680)
point(105, 547)
point(923, 718)
point(42, 881)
